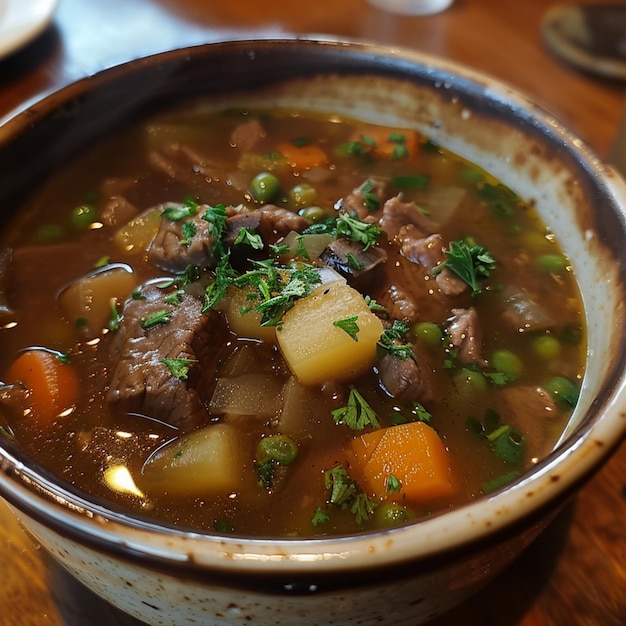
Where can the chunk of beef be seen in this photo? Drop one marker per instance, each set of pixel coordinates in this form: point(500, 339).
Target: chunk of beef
point(397, 213)
point(400, 302)
point(531, 410)
point(427, 251)
point(173, 250)
point(279, 222)
point(451, 284)
point(406, 380)
point(140, 380)
point(246, 135)
point(466, 334)
point(270, 221)
point(117, 210)
point(350, 260)
point(524, 313)
point(189, 172)
point(365, 201)
point(183, 163)
point(430, 252)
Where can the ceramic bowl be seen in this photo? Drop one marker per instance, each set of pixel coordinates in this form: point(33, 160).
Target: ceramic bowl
point(401, 576)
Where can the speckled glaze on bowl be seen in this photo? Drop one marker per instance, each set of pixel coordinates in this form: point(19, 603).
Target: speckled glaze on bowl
point(401, 576)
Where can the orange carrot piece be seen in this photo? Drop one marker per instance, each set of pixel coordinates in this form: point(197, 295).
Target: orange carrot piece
point(52, 384)
point(389, 143)
point(413, 453)
point(303, 157)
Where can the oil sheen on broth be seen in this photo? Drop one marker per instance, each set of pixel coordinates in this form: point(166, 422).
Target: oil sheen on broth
point(278, 324)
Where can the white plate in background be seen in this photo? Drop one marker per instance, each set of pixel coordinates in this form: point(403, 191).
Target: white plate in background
point(21, 21)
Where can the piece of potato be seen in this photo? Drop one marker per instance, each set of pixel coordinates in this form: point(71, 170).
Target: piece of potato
point(205, 462)
point(137, 235)
point(88, 302)
point(248, 324)
point(316, 349)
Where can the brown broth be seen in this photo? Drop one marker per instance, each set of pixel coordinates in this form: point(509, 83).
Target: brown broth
point(82, 446)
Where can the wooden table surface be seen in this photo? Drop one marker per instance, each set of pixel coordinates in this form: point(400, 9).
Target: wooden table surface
point(575, 573)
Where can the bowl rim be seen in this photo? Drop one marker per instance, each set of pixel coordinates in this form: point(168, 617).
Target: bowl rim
point(499, 514)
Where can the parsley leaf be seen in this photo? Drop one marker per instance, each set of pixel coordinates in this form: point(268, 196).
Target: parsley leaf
point(393, 484)
point(349, 325)
point(179, 367)
point(319, 517)
point(116, 316)
point(187, 230)
point(393, 340)
point(370, 199)
point(277, 295)
point(175, 213)
point(471, 263)
point(357, 413)
point(249, 238)
point(216, 217)
point(345, 494)
point(351, 227)
point(156, 318)
point(224, 277)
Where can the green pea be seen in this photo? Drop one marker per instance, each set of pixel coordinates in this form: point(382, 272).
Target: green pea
point(391, 514)
point(507, 362)
point(546, 347)
point(552, 263)
point(302, 195)
point(278, 448)
point(84, 215)
point(470, 381)
point(313, 213)
point(265, 187)
point(50, 233)
point(428, 333)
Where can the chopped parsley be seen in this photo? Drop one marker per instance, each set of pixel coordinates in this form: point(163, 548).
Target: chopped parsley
point(374, 306)
point(249, 238)
point(319, 517)
point(393, 484)
point(393, 340)
point(116, 316)
point(188, 231)
point(415, 412)
point(224, 277)
point(351, 227)
point(301, 251)
point(216, 217)
point(349, 325)
point(176, 213)
point(508, 443)
point(370, 199)
point(62, 357)
point(179, 367)
point(471, 263)
point(278, 288)
point(156, 318)
point(345, 494)
point(353, 262)
point(357, 414)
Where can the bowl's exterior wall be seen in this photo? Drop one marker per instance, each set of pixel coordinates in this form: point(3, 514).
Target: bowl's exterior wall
point(467, 113)
point(162, 598)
